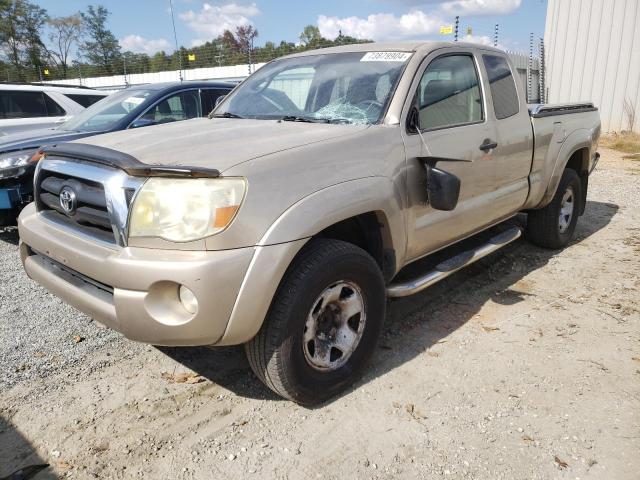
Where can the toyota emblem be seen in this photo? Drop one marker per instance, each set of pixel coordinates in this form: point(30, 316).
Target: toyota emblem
point(68, 200)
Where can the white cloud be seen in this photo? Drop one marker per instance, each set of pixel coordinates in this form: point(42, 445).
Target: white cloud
point(380, 26)
point(138, 44)
point(481, 39)
point(480, 7)
point(212, 20)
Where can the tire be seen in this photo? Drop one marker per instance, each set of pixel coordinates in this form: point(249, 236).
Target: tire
point(282, 355)
point(546, 227)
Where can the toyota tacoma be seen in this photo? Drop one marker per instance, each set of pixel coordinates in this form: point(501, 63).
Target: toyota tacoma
point(282, 221)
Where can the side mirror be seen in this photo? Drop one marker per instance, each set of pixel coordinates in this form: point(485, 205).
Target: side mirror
point(220, 99)
point(141, 122)
point(443, 188)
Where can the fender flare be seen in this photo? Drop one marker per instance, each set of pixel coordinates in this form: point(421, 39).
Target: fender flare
point(323, 208)
point(576, 141)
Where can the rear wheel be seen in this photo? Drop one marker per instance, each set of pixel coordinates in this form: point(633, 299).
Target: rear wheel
point(553, 225)
point(323, 324)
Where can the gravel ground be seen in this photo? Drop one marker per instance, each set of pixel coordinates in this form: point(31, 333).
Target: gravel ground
point(39, 334)
point(526, 365)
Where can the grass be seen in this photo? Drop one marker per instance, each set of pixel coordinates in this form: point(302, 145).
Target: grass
point(623, 142)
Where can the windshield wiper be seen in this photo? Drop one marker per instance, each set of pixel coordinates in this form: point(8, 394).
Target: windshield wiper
point(296, 118)
point(339, 120)
point(225, 115)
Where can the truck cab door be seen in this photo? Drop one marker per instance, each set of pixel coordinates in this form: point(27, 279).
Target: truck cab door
point(452, 122)
point(458, 133)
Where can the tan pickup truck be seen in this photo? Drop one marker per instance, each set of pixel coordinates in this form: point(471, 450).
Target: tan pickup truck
point(282, 221)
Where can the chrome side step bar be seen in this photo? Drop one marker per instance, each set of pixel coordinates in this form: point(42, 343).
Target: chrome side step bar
point(453, 264)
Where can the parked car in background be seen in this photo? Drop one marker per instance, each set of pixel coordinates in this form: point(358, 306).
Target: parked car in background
point(32, 106)
point(134, 107)
point(285, 220)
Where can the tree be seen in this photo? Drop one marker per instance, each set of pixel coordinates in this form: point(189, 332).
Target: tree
point(33, 19)
point(101, 47)
point(159, 62)
point(310, 36)
point(9, 35)
point(20, 26)
point(245, 34)
point(229, 40)
point(64, 33)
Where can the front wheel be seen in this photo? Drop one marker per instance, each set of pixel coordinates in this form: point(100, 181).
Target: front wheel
point(553, 225)
point(323, 324)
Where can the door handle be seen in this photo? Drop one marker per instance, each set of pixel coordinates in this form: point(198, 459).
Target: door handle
point(488, 144)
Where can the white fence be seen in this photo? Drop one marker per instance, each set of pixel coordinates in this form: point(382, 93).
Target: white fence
point(239, 72)
point(115, 82)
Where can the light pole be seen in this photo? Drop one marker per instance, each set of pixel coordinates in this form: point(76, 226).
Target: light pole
point(175, 38)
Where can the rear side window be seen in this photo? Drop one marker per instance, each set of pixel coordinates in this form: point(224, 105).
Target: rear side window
point(449, 93)
point(53, 109)
point(18, 104)
point(209, 97)
point(503, 86)
point(84, 100)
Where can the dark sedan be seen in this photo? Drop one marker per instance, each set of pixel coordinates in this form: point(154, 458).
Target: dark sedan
point(135, 107)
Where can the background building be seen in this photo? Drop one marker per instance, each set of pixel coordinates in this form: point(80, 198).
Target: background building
point(593, 53)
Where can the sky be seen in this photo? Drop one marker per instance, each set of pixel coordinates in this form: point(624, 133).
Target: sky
point(145, 25)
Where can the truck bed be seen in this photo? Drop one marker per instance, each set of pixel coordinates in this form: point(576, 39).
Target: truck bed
point(557, 128)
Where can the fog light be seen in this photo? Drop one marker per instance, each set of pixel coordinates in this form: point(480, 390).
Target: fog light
point(188, 300)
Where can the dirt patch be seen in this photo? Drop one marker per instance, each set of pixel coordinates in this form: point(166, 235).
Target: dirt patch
point(525, 365)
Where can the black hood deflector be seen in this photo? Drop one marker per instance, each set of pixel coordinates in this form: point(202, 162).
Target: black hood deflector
point(131, 165)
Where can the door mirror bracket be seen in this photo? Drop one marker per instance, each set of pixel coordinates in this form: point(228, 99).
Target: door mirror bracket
point(413, 121)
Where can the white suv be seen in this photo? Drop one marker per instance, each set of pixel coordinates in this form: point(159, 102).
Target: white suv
point(27, 107)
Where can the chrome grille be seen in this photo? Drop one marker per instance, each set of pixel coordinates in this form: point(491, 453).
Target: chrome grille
point(91, 210)
point(101, 197)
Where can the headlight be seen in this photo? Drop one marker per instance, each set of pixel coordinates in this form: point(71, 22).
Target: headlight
point(185, 209)
point(12, 163)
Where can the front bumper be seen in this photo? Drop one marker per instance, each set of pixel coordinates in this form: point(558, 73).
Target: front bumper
point(135, 290)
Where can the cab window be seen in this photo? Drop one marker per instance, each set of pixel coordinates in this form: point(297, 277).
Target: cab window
point(503, 86)
point(449, 93)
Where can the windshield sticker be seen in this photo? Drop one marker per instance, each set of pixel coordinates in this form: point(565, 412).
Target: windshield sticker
point(131, 102)
point(386, 57)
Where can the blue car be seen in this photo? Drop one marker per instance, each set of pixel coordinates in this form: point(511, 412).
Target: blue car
point(135, 107)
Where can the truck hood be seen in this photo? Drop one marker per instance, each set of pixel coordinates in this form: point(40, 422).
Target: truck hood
point(219, 143)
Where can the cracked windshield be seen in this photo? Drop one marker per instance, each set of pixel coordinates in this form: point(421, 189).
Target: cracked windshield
point(351, 88)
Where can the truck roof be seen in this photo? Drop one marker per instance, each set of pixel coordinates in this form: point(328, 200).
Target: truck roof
point(404, 46)
point(185, 83)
